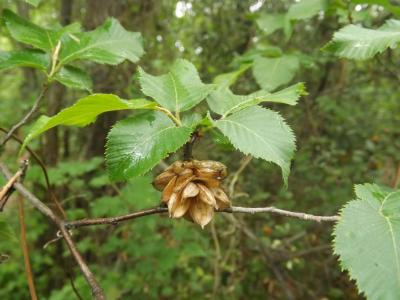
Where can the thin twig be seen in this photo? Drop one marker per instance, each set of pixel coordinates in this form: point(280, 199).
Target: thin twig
point(97, 291)
point(25, 249)
point(235, 177)
point(188, 147)
point(116, 220)
point(45, 173)
point(27, 116)
point(217, 270)
point(8, 188)
point(287, 213)
point(234, 209)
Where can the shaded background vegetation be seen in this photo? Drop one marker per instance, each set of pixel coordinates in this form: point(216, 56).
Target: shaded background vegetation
point(347, 132)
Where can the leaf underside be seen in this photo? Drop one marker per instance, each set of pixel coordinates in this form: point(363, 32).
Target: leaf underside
point(367, 240)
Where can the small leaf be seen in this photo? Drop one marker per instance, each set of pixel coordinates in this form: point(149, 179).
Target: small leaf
point(6, 232)
point(269, 23)
point(107, 44)
point(26, 58)
point(135, 145)
point(305, 9)
point(26, 32)
point(34, 3)
point(224, 102)
point(227, 79)
point(178, 90)
point(74, 78)
point(262, 133)
point(84, 112)
point(356, 42)
point(367, 240)
point(271, 73)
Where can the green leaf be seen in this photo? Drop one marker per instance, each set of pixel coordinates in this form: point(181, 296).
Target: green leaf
point(107, 44)
point(6, 232)
point(271, 73)
point(84, 112)
point(26, 32)
point(224, 102)
point(305, 9)
point(178, 90)
point(34, 3)
point(227, 79)
point(135, 145)
point(360, 43)
point(269, 23)
point(384, 3)
point(74, 78)
point(26, 58)
point(367, 240)
point(262, 133)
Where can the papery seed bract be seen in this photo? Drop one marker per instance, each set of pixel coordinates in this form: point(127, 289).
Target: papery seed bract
point(162, 180)
point(182, 181)
point(191, 190)
point(222, 198)
point(207, 196)
point(168, 190)
point(201, 213)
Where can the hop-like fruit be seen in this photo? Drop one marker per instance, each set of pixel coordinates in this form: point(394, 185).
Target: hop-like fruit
point(192, 189)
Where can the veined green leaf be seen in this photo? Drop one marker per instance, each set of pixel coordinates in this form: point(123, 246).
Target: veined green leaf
point(34, 3)
point(356, 42)
point(269, 23)
point(107, 44)
point(271, 73)
point(178, 90)
point(305, 9)
point(227, 79)
point(26, 32)
point(135, 145)
point(262, 133)
point(26, 58)
point(224, 102)
point(74, 78)
point(85, 111)
point(367, 240)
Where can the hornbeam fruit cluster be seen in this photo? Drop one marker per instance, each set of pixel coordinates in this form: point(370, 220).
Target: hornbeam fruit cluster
point(192, 189)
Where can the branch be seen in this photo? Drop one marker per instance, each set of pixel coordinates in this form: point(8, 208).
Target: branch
point(287, 213)
point(25, 249)
point(44, 169)
point(8, 188)
point(233, 209)
point(96, 289)
point(115, 220)
point(27, 116)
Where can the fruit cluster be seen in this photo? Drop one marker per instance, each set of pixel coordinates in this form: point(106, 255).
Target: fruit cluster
point(192, 189)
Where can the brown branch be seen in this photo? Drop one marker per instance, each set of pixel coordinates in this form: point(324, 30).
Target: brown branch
point(27, 116)
point(115, 220)
point(25, 249)
point(233, 209)
point(8, 188)
point(97, 291)
point(45, 173)
point(188, 147)
point(287, 213)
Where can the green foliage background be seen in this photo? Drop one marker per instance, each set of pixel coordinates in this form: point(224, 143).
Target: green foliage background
point(346, 130)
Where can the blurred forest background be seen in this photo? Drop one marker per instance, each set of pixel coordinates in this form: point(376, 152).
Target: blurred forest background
point(346, 128)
